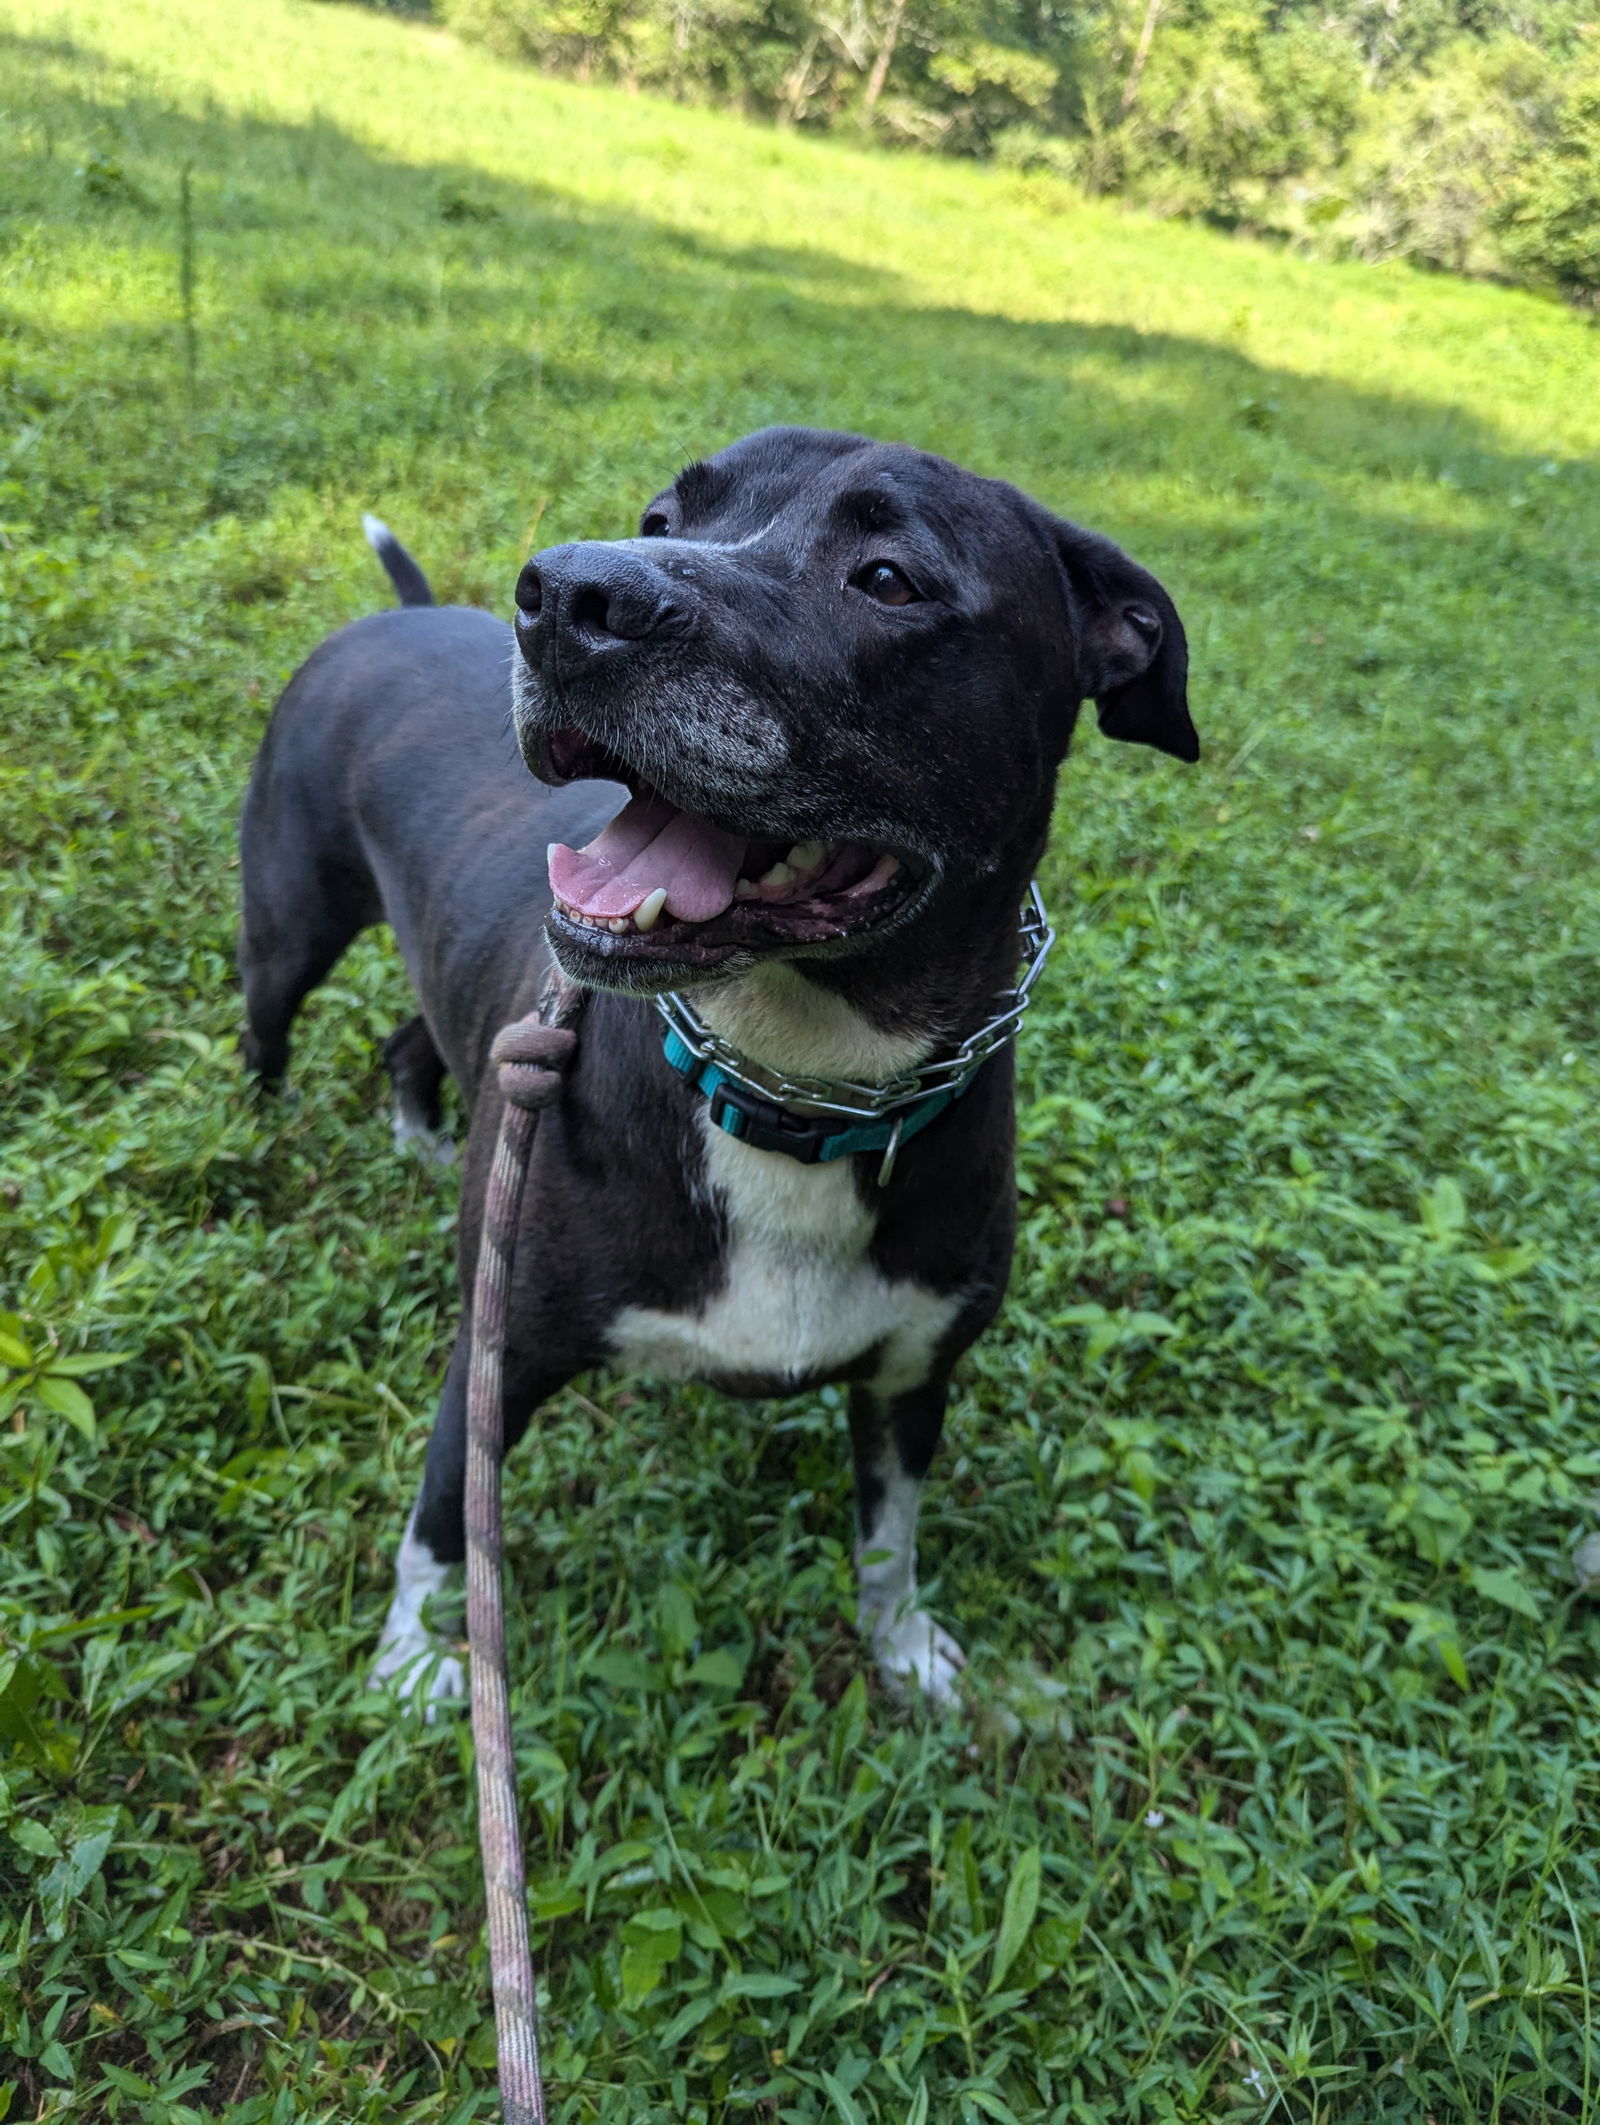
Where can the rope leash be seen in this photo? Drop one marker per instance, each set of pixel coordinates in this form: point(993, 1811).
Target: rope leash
point(529, 1057)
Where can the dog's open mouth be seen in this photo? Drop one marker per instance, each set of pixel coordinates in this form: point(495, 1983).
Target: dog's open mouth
point(662, 881)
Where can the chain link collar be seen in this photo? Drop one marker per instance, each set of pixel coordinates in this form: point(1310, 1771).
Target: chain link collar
point(820, 1119)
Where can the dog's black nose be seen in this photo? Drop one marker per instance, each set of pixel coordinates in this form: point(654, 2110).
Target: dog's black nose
point(585, 600)
point(530, 591)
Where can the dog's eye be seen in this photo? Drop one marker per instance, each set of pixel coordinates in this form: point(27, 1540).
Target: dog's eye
point(655, 526)
point(885, 584)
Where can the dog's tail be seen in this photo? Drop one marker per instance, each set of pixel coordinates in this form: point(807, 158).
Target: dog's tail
point(398, 565)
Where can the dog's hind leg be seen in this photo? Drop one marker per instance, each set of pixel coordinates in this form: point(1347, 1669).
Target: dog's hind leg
point(417, 1073)
point(435, 1541)
point(892, 1439)
point(299, 918)
point(306, 894)
point(275, 984)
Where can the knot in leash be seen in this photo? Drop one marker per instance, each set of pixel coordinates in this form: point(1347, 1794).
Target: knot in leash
point(529, 1058)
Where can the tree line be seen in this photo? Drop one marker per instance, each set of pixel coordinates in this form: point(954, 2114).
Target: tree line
point(1463, 134)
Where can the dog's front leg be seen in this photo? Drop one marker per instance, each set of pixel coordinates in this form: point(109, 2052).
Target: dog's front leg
point(892, 1438)
point(435, 1541)
point(411, 1655)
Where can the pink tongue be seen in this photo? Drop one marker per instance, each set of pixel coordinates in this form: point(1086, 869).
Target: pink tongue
point(650, 844)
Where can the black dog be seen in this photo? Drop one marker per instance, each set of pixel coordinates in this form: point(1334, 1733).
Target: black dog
point(834, 679)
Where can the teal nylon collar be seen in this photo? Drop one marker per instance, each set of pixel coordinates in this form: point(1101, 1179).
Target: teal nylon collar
point(821, 1120)
point(767, 1126)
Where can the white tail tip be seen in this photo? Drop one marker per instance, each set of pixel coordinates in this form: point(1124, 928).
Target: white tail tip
point(378, 533)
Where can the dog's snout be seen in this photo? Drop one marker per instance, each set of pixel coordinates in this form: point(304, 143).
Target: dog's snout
point(589, 599)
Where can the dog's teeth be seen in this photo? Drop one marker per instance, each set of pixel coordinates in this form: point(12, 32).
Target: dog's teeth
point(618, 924)
point(745, 889)
point(805, 856)
point(780, 874)
point(648, 913)
point(882, 872)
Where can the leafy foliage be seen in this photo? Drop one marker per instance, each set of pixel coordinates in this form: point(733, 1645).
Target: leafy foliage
point(1258, 1506)
point(1448, 132)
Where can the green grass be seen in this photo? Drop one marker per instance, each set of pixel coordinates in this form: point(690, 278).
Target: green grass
point(1287, 1709)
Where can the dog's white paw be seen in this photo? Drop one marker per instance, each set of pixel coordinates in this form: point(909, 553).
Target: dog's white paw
point(417, 1666)
point(914, 1653)
point(433, 1146)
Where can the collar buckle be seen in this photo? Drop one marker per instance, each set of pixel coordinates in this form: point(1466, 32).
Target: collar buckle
point(741, 1114)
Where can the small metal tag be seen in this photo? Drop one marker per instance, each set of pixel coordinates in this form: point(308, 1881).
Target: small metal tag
point(891, 1151)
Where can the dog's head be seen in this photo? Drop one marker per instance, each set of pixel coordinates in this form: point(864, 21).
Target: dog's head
point(838, 677)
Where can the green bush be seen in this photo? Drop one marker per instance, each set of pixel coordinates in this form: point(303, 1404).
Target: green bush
point(1454, 135)
point(1549, 225)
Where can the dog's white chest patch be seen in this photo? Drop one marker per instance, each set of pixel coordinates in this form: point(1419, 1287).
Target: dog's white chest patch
point(801, 1296)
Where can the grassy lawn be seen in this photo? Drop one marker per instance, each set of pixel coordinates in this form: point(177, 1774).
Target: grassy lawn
point(1258, 1509)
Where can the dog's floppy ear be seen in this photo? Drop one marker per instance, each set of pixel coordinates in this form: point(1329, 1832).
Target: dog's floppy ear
point(1133, 654)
